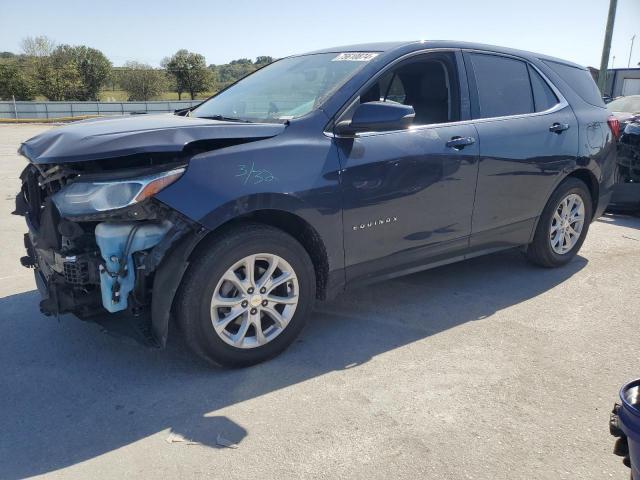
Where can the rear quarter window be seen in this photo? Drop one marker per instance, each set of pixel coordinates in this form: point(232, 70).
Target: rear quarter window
point(579, 80)
point(543, 96)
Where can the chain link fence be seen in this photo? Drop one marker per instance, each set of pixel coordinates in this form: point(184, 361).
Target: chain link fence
point(53, 110)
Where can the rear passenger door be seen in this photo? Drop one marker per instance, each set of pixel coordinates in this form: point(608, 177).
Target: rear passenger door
point(528, 134)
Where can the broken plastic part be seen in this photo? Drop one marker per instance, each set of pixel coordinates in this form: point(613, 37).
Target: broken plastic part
point(117, 242)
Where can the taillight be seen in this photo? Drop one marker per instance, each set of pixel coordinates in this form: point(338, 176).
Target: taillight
point(614, 125)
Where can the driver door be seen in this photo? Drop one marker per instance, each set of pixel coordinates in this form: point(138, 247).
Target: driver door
point(408, 194)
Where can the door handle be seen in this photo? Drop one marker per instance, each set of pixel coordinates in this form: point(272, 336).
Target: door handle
point(458, 143)
point(559, 127)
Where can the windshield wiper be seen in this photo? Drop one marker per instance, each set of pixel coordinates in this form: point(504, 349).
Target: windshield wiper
point(226, 119)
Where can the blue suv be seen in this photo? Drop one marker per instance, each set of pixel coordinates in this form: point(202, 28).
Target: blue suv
point(314, 174)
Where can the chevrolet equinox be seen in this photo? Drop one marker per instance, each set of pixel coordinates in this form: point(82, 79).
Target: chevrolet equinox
point(315, 173)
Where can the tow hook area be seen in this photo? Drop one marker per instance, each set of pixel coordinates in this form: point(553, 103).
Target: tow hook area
point(118, 242)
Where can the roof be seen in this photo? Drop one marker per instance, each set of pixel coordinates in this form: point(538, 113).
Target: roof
point(402, 48)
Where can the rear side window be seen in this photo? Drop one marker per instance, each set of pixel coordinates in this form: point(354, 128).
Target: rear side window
point(503, 86)
point(579, 80)
point(543, 96)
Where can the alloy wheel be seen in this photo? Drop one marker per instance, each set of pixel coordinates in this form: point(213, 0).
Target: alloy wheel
point(254, 301)
point(567, 224)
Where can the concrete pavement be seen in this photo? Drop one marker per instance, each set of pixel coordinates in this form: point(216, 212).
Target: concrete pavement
point(488, 369)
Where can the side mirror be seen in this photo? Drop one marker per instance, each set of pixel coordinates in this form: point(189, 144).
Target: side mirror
point(377, 117)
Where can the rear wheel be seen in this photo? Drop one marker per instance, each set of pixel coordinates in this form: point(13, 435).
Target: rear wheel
point(246, 298)
point(563, 225)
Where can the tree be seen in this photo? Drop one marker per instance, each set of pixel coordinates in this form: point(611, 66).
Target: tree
point(15, 83)
point(54, 74)
point(229, 73)
point(115, 78)
point(58, 77)
point(37, 51)
point(38, 47)
point(172, 82)
point(263, 60)
point(142, 81)
point(190, 72)
point(241, 61)
point(92, 65)
point(65, 72)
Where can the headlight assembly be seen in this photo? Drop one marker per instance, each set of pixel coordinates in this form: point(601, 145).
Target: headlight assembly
point(85, 198)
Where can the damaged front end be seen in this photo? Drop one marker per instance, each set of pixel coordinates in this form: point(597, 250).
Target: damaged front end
point(96, 234)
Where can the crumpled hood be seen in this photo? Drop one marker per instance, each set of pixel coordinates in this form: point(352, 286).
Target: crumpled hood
point(111, 137)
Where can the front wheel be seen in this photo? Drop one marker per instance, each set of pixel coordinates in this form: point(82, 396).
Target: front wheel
point(563, 225)
point(247, 296)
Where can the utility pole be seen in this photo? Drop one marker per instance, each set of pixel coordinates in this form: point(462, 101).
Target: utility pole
point(606, 47)
point(631, 50)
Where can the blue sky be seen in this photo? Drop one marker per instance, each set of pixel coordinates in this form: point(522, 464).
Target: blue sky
point(147, 30)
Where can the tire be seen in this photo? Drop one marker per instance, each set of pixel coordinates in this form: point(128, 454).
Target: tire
point(197, 310)
point(541, 251)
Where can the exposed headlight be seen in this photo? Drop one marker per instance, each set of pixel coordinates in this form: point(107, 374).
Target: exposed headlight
point(85, 198)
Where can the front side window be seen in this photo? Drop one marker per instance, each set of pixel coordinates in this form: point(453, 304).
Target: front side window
point(503, 86)
point(286, 89)
point(428, 84)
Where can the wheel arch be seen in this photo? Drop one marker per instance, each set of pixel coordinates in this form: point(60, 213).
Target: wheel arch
point(291, 223)
point(285, 212)
point(588, 177)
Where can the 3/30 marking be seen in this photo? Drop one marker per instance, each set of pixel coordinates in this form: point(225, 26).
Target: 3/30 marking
point(251, 174)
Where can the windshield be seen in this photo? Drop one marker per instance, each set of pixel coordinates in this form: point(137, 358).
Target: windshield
point(286, 89)
point(625, 104)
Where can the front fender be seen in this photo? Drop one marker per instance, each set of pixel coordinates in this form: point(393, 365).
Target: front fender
point(297, 173)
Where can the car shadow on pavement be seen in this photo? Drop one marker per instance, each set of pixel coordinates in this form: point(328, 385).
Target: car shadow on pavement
point(621, 220)
point(71, 393)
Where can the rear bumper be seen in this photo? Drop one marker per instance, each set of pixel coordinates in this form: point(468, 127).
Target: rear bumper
point(626, 196)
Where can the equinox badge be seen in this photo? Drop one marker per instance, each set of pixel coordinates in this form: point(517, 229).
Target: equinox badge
point(374, 223)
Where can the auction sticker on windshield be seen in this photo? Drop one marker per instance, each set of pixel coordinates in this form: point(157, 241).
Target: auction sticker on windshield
point(355, 57)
